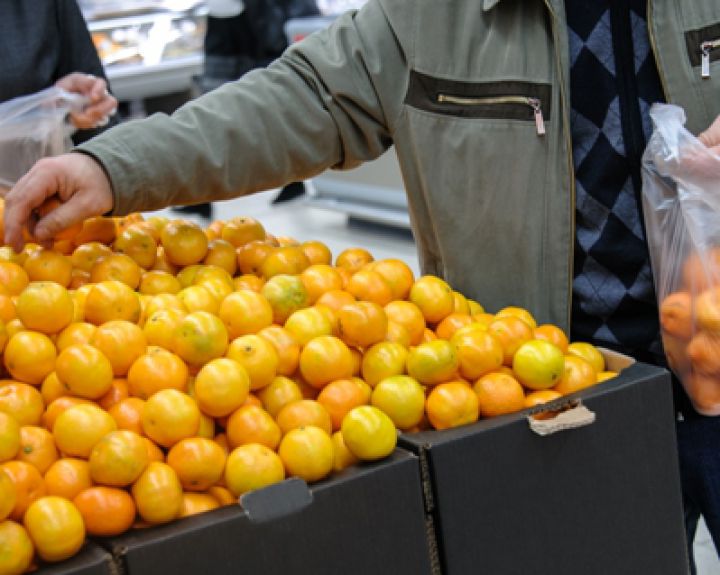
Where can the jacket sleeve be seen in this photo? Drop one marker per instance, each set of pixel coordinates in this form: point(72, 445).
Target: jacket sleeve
point(329, 101)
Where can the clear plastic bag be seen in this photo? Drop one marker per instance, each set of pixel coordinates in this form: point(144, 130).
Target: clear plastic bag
point(33, 127)
point(681, 203)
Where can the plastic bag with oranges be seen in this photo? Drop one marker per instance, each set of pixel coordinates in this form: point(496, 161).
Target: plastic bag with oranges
point(681, 202)
point(33, 127)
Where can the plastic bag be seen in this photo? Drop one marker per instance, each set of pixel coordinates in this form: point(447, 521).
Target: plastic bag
point(681, 203)
point(33, 127)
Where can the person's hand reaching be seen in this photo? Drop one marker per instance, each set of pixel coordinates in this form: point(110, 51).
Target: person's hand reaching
point(711, 136)
point(75, 179)
point(101, 104)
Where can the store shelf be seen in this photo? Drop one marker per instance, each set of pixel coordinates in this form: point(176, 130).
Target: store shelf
point(136, 82)
point(148, 48)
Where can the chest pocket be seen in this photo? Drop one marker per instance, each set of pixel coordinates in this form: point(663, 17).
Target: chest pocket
point(506, 100)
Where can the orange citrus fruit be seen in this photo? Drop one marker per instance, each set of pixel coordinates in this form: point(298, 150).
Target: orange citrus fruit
point(451, 404)
point(109, 300)
point(45, 306)
point(198, 462)
point(9, 436)
point(340, 396)
point(402, 398)
point(245, 312)
point(169, 416)
point(30, 356)
point(156, 369)
point(29, 486)
point(257, 356)
point(158, 493)
point(67, 477)
point(118, 458)
point(80, 427)
point(286, 346)
point(84, 370)
point(252, 424)
point(303, 413)
point(383, 360)
point(37, 447)
point(16, 548)
point(433, 362)
point(281, 391)
point(221, 386)
point(538, 364)
point(252, 466)
point(434, 297)
point(22, 402)
point(55, 526)
point(578, 374)
point(184, 242)
point(200, 337)
point(106, 511)
point(498, 393)
point(121, 342)
point(325, 359)
point(307, 452)
point(368, 433)
point(588, 352)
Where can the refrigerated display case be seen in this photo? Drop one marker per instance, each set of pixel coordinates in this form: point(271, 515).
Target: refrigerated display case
point(372, 192)
point(148, 47)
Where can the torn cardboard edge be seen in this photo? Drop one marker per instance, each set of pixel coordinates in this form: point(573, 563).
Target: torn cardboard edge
point(577, 416)
point(567, 413)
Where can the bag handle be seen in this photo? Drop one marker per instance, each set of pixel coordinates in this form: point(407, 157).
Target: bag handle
point(577, 416)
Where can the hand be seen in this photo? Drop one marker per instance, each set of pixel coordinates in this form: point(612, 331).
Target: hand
point(75, 179)
point(711, 136)
point(101, 104)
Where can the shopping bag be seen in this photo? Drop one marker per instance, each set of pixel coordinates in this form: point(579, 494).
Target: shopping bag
point(33, 127)
point(681, 204)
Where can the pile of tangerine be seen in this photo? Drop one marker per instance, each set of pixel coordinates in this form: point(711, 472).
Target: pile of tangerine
point(154, 369)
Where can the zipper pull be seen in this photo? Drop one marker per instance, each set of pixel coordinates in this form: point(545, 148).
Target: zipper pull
point(539, 120)
point(705, 48)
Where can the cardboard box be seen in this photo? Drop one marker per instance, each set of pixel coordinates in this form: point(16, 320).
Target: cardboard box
point(600, 499)
point(366, 520)
point(92, 560)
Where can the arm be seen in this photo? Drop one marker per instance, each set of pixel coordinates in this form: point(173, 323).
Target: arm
point(330, 101)
point(327, 102)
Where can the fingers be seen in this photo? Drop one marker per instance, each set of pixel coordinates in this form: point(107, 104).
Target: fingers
point(101, 105)
point(95, 115)
point(711, 136)
point(29, 193)
point(65, 215)
point(77, 82)
point(76, 179)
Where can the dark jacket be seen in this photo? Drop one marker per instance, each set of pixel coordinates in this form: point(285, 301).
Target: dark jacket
point(42, 41)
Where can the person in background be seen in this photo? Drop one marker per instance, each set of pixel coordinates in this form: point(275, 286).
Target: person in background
point(243, 35)
point(519, 128)
point(46, 43)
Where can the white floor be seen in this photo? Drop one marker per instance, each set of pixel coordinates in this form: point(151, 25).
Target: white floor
point(298, 220)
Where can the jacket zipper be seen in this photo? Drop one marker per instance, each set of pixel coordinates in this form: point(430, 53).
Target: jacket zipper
point(568, 143)
point(533, 103)
point(653, 47)
point(705, 49)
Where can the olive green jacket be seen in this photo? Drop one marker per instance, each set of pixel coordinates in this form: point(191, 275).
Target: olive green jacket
point(463, 88)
